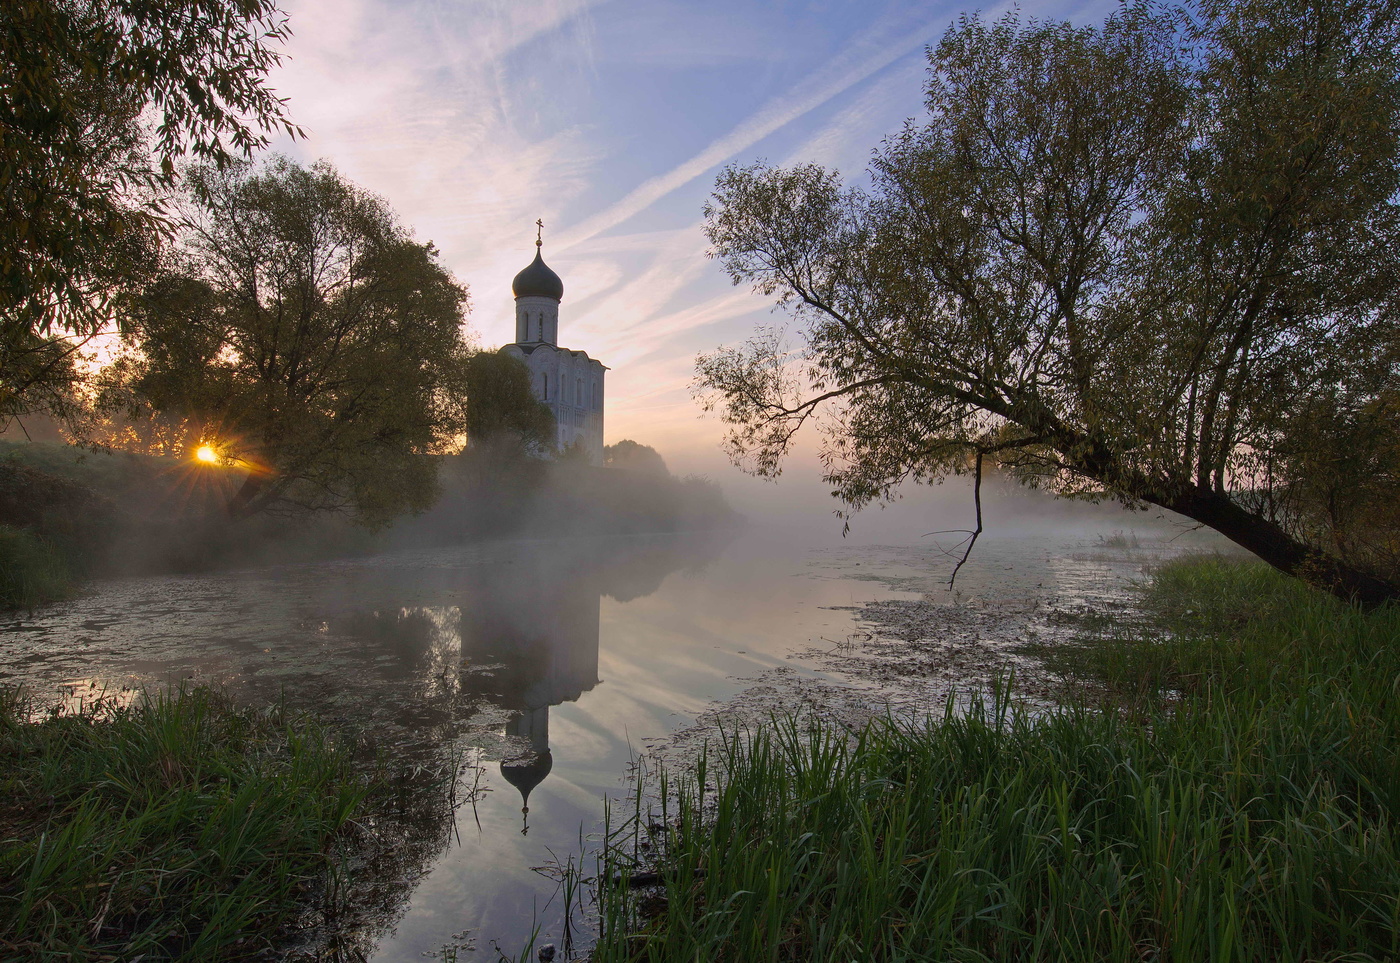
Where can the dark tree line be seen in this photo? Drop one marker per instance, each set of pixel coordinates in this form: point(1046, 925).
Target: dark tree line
point(277, 316)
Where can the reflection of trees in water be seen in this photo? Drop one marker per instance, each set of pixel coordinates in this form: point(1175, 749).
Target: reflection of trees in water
point(379, 859)
point(517, 634)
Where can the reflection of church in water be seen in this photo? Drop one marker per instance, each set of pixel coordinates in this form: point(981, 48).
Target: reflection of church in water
point(529, 642)
point(529, 629)
point(494, 642)
point(569, 382)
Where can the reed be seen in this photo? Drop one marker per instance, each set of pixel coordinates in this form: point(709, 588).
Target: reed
point(1242, 810)
point(32, 572)
point(175, 828)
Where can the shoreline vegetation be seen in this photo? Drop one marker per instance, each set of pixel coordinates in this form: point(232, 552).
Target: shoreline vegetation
point(182, 827)
point(1220, 781)
point(68, 514)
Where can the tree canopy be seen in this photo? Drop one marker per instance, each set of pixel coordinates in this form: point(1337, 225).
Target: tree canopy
point(501, 406)
point(301, 333)
point(1154, 260)
point(99, 100)
point(635, 456)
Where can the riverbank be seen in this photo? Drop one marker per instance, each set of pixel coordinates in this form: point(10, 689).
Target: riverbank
point(1219, 782)
point(179, 827)
point(69, 516)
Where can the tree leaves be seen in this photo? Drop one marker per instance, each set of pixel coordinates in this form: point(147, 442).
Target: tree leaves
point(99, 101)
point(1124, 259)
point(303, 330)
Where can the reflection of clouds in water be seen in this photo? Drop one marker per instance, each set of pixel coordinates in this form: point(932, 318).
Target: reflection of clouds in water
point(459, 654)
point(445, 659)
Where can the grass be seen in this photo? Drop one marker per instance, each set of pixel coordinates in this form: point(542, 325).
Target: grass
point(176, 828)
point(1243, 808)
point(32, 572)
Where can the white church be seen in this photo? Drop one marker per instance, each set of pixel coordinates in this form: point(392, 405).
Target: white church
point(569, 382)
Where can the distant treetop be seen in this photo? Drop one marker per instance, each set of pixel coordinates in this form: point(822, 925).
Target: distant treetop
point(632, 456)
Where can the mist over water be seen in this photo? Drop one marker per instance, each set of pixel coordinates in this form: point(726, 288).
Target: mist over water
point(538, 669)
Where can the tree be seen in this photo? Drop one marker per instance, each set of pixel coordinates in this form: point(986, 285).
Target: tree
point(501, 406)
point(99, 100)
point(1154, 261)
point(306, 338)
point(635, 456)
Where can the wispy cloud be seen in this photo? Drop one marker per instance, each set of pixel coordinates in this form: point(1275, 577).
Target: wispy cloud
point(875, 49)
point(474, 118)
point(433, 106)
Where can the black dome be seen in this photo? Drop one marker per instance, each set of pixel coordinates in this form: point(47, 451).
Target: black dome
point(538, 281)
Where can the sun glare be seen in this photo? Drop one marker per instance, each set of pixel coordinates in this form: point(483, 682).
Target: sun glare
point(206, 454)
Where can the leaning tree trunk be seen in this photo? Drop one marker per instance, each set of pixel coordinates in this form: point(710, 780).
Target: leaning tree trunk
point(1285, 553)
point(241, 504)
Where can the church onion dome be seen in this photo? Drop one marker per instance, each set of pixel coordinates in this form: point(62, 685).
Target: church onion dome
point(538, 281)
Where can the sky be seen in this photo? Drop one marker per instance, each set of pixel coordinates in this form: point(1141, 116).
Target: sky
point(609, 120)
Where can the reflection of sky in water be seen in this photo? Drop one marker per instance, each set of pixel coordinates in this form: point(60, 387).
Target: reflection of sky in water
point(554, 662)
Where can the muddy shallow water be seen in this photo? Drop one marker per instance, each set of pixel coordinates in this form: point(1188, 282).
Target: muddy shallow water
point(541, 669)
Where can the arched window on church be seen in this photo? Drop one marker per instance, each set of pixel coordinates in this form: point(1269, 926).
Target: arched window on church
point(578, 392)
point(595, 394)
point(544, 385)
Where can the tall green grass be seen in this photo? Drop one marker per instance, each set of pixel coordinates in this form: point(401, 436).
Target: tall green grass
point(176, 828)
point(32, 572)
point(1243, 810)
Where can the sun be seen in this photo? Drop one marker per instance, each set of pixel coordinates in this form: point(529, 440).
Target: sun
point(206, 454)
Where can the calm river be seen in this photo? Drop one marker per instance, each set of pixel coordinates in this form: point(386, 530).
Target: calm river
point(539, 670)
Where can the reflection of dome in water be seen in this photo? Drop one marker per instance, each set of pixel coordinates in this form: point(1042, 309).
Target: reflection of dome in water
point(526, 776)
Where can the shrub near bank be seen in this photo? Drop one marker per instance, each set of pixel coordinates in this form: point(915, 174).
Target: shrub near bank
point(31, 571)
point(1242, 810)
point(178, 828)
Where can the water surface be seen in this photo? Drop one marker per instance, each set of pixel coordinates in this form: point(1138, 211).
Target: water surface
point(539, 669)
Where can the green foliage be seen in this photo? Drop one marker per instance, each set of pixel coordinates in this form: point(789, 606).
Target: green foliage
point(1230, 625)
point(502, 407)
point(1242, 813)
point(31, 571)
point(177, 828)
point(634, 456)
point(115, 474)
point(306, 336)
point(1141, 261)
point(82, 170)
point(53, 529)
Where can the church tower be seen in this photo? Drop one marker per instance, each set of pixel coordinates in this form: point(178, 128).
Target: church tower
point(568, 381)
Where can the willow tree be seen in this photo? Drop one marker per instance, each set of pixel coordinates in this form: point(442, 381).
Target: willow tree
point(1154, 260)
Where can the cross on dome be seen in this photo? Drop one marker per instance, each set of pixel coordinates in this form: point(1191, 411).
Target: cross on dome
point(537, 280)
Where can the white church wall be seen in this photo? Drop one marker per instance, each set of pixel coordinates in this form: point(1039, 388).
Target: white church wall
point(569, 382)
point(572, 385)
point(536, 319)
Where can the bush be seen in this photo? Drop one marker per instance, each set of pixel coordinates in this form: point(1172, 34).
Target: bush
point(31, 571)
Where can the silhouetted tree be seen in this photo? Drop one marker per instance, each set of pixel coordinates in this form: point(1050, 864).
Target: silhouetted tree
point(308, 339)
point(501, 407)
point(1154, 261)
point(99, 100)
point(633, 456)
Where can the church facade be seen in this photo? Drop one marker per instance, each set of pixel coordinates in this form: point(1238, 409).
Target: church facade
point(568, 381)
